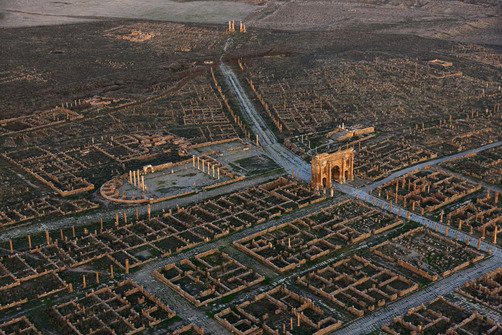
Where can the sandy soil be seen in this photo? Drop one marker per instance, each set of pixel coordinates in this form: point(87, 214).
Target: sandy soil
point(473, 21)
point(444, 19)
point(18, 13)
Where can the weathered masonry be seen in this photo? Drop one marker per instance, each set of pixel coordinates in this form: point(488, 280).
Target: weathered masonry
point(337, 166)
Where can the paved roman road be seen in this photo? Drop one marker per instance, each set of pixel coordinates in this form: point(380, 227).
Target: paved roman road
point(385, 315)
point(281, 155)
point(430, 163)
point(289, 161)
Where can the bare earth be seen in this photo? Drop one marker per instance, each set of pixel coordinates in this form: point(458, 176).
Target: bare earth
point(472, 22)
point(19, 13)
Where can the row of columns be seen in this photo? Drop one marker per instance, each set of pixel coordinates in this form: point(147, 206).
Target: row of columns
point(98, 276)
point(447, 228)
point(49, 240)
point(71, 104)
point(137, 180)
point(324, 191)
point(298, 323)
point(211, 169)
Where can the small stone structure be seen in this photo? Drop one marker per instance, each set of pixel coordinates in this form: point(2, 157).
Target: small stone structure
point(207, 277)
point(427, 254)
point(190, 329)
point(357, 285)
point(278, 311)
point(486, 290)
point(20, 325)
point(122, 308)
point(442, 317)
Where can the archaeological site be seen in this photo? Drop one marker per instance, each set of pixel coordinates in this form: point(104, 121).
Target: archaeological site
point(251, 167)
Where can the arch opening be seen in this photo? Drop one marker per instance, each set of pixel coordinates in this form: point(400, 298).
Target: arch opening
point(335, 173)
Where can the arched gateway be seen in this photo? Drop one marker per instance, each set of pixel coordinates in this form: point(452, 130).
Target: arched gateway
point(337, 166)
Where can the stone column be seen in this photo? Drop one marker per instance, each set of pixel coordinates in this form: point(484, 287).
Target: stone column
point(342, 171)
point(47, 237)
point(330, 177)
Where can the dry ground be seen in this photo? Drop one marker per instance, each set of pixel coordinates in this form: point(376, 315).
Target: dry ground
point(473, 21)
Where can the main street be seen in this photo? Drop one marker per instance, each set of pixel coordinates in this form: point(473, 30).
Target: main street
point(436, 161)
point(291, 162)
point(268, 141)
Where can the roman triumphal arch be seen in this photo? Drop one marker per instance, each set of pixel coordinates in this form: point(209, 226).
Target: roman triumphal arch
point(337, 166)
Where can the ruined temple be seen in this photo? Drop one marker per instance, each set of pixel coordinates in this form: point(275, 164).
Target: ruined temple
point(337, 166)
